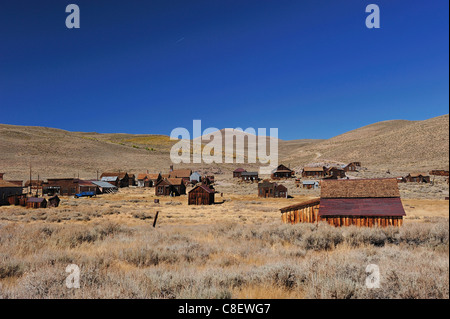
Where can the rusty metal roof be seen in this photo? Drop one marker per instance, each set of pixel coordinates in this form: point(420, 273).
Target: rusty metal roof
point(361, 207)
point(239, 170)
point(206, 188)
point(313, 169)
point(35, 200)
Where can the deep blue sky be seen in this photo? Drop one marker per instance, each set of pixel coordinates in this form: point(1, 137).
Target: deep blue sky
point(310, 68)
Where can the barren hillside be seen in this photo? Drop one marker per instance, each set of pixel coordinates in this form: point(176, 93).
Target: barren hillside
point(398, 145)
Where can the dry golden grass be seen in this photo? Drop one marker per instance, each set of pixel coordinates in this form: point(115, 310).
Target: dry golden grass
point(236, 249)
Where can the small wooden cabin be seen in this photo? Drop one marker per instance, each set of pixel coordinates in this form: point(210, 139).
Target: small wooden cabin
point(53, 201)
point(310, 184)
point(36, 202)
point(249, 176)
point(282, 172)
point(238, 171)
point(268, 189)
point(364, 202)
point(170, 187)
point(148, 180)
point(352, 167)
point(335, 172)
point(201, 195)
point(417, 178)
point(315, 172)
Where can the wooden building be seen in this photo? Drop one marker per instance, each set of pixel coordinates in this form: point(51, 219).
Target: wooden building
point(268, 189)
point(310, 184)
point(282, 172)
point(440, 172)
point(170, 187)
point(417, 178)
point(148, 180)
point(131, 180)
point(352, 167)
point(7, 190)
point(201, 195)
point(335, 173)
point(249, 176)
point(314, 172)
point(1, 176)
point(117, 179)
point(36, 202)
point(53, 201)
point(17, 200)
point(359, 202)
point(238, 171)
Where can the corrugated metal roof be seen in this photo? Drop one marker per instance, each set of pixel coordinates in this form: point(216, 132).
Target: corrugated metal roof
point(109, 178)
point(103, 184)
point(361, 207)
point(310, 183)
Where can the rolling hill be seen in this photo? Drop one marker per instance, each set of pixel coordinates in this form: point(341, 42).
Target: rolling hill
point(400, 145)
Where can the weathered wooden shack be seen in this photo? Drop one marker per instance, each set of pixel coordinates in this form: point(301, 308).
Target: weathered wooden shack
point(314, 172)
point(249, 176)
point(36, 202)
point(53, 201)
point(201, 195)
point(417, 178)
point(334, 172)
point(268, 189)
point(238, 171)
point(170, 187)
point(282, 172)
point(8, 189)
point(131, 180)
point(148, 180)
point(184, 174)
point(363, 202)
point(352, 167)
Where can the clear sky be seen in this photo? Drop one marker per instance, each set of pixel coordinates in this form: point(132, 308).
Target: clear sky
point(310, 68)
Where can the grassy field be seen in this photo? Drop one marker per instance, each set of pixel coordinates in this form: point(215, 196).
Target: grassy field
point(237, 248)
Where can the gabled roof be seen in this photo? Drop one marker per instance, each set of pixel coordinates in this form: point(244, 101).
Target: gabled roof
point(282, 169)
point(360, 188)
point(175, 181)
point(361, 207)
point(204, 187)
point(180, 173)
point(239, 170)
